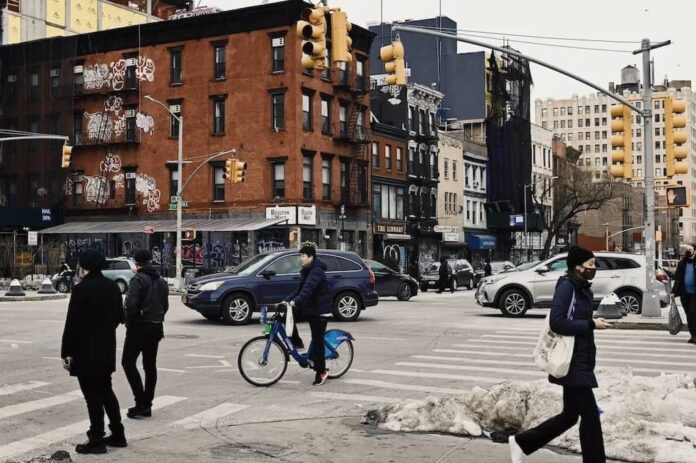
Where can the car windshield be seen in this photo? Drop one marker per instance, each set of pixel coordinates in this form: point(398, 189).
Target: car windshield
point(248, 266)
point(528, 265)
point(434, 267)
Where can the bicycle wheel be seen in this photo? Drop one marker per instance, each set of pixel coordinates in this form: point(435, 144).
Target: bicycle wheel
point(251, 368)
point(339, 365)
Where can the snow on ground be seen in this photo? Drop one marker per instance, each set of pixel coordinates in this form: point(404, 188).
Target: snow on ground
point(644, 419)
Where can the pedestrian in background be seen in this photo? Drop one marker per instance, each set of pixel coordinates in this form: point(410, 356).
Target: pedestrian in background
point(445, 276)
point(571, 315)
point(147, 302)
point(487, 269)
point(685, 288)
point(89, 349)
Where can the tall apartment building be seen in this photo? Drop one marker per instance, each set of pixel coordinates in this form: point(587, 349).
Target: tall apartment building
point(25, 20)
point(584, 123)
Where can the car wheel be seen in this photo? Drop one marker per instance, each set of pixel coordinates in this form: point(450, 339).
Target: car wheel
point(514, 303)
point(346, 307)
point(454, 285)
point(632, 301)
point(470, 284)
point(62, 286)
point(404, 292)
point(122, 286)
point(424, 288)
point(237, 309)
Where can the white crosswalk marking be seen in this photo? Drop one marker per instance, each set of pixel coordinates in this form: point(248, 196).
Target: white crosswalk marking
point(599, 340)
point(405, 387)
point(515, 345)
point(208, 418)
point(420, 374)
point(442, 366)
point(33, 405)
point(14, 388)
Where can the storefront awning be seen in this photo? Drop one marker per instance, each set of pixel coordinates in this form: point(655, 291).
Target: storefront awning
point(139, 226)
point(481, 242)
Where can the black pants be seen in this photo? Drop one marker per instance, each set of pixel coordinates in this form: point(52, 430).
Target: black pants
point(138, 342)
point(100, 398)
point(577, 403)
point(317, 325)
point(444, 284)
point(688, 302)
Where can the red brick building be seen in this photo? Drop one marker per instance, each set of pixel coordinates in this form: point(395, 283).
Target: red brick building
point(235, 79)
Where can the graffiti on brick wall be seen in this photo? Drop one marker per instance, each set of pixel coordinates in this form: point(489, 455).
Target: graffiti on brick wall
point(110, 125)
point(427, 255)
point(68, 186)
point(111, 163)
point(156, 255)
point(145, 186)
point(145, 122)
point(95, 189)
point(99, 126)
point(128, 247)
point(265, 246)
point(192, 253)
point(113, 75)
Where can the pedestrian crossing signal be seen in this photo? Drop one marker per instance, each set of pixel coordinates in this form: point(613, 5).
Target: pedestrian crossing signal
point(188, 235)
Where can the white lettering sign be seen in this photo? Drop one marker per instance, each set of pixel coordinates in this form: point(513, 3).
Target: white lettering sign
point(284, 213)
point(307, 215)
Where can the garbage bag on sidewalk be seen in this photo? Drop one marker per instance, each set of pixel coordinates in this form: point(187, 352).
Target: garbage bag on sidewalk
point(675, 321)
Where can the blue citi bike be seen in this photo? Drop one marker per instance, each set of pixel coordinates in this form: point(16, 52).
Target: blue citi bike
point(264, 359)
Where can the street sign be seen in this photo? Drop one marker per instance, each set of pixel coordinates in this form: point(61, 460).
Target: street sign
point(149, 230)
point(33, 238)
point(184, 205)
point(445, 229)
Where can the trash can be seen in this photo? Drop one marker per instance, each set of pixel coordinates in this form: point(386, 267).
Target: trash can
point(189, 275)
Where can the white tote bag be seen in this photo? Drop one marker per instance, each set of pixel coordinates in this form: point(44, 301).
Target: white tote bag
point(553, 351)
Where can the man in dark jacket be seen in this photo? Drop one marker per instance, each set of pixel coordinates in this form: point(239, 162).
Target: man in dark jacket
point(685, 288)
point(147, 302)
point(310, 301)
point(487, 269)
point(89, 349)
point(445, 279)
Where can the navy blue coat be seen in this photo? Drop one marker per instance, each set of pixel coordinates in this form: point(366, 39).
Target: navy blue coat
point(581, 372)
point(312, 297)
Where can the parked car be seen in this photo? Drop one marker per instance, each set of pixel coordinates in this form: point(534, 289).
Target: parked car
point(121, 270)
point(270, 277)
point(669, 266)
point(513, 293)
point(462, 272)
point(389, 282)
point(63, 281)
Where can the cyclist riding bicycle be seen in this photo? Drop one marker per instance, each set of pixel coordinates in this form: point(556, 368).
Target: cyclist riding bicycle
point(310, 301)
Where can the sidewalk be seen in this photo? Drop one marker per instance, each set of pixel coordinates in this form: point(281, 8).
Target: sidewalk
point(31, 296)
point(638, 322)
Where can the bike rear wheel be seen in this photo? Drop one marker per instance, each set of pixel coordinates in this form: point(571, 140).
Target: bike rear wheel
point(341, 364)
point(252, 367)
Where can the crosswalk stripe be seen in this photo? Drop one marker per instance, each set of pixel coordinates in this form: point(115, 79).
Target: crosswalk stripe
point(500, 345)
point(605, 341)
point(33, 405)
point(405, 387)
point(634, 334)
point(471, 368)
point(354, 397)
point(208, 418)
point(476, 361)
point(529, 354)
point(66, 432)
point(14, 388)
point(421, 374)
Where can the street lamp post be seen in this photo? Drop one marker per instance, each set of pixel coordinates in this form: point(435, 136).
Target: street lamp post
point(180, 168)
point(526, 233)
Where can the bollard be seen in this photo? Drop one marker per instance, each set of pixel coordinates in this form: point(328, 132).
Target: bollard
point(15, 289)
point(47, 287)
point(610, 308)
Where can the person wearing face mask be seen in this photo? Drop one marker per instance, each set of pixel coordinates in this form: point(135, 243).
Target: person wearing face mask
point(685, 288)
point(571, 315)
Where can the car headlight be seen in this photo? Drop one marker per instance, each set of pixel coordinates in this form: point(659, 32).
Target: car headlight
point(491, 280)
point(212, 286)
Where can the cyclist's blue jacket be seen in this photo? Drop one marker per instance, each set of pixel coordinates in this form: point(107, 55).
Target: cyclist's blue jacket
point(312, 297)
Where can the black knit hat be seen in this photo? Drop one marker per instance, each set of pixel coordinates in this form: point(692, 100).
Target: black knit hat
point(309, 249)
point(92, 260)
point(142, 256)
point(578, 256)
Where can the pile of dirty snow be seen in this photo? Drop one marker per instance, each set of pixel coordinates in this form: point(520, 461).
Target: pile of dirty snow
point(644, 419)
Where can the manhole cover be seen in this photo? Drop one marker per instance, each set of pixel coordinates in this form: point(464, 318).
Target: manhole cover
point(182, 336)
point(249, 451)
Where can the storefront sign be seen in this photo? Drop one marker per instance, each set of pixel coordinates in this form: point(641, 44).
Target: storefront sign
point(450, 236)
point(394, 228)
point(307, 215)
point(284, 213)
point(445, 229)
point(33, 238)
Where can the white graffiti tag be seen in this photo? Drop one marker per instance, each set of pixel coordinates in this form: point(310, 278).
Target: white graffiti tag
point(98, 76)
point(95, 189)
point(68, 186)
point(100, 126)
point(146, 186)
point(145, 122)
point(113, 104)
point(111, 163)
point(119, 181)
point(145, 69)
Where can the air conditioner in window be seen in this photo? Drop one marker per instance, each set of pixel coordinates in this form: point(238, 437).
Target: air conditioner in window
point(175, 108)
point(77, 70)
point(12, 78)
point(130, 112)
point(476, 184)
point(54, 73)
point(278, 42)
point(130, 175)
point(172, 199)
point(131, 62)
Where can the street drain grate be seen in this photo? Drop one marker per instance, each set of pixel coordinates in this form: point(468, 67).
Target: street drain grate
point(182, 336)
point(248, 451)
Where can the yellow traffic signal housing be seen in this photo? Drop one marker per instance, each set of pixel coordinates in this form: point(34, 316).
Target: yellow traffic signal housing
point(675, 139)
point(239, 171)
point(394, 63)
point(341, 43)
point(312, 30)
point(622, 153)
point(229, 169)
point(65, 160)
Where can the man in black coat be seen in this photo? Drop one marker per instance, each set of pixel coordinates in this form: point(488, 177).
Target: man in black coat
point(445, 276)
point(89, 349)
point(685, 288)
point(310, 301)
point(147, 301)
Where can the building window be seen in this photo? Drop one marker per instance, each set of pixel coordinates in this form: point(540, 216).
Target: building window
point(278, 111)
point(55, 82)
point(175, 68)
point(219, 61)
point(218, 183)
point(580, 123)
point(326, 115)
point(54, 124)
point(278, 54)
point(131, 78)
point(570, 110)
point(131, 128)
point(388, 202)
point(173, 182)
point(218, 116)
point(343, 73)
point(278, 185)
point(411, 161)
point(387, 157)
point(10, 90)
point(432, 166)
point(421, 122)
point(375, 154)
point(544, 112)
point(307, 111)
point(360, 126)
point(33, 86)
point(326, 179)
point(360, 74)
point(307, 178)
point(377, 201)
point(343, 119)
point(77, 128)
point(399, 160)
point(563, 113)
point(446, 168)
point(555, 111)
point(412, 118)
point(344, 181)
point(130, 188)
point(454, 170)
point(175, 108)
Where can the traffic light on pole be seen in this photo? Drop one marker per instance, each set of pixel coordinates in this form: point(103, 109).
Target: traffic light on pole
point(229, 169)
point(622, 153)
point(239, 170)
point(675, 139)
point(341, 43)
point(312, 30)
point(393, 58)
point(65, 160)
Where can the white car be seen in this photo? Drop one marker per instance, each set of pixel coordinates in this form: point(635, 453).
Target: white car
point(513, 293)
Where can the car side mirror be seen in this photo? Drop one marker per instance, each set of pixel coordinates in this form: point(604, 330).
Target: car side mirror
point(268, 273)
point(542, 269)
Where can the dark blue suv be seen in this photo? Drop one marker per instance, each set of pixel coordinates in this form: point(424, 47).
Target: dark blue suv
point(270, 277)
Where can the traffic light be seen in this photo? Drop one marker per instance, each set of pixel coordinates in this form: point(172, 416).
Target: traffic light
point(393, 58)
point(188, 234)
point(340, 40)
point(312, 30)
point(677, 196)
point(622, 154)
point(239, 170)
point(675, 139)
point(229, 169)
point(65, 160)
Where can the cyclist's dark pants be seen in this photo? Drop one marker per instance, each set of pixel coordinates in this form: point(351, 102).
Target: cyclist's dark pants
point(317, 325)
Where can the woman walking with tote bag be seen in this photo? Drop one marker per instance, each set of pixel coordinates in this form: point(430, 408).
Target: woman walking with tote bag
point(578, 398)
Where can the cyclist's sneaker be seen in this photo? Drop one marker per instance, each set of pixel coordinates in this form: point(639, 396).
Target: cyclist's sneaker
point(320, 378)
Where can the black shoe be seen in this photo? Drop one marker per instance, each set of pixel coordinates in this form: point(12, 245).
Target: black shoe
point(320, 378)
point(117, 437)
point(137, 412)
point(91, 446)
point(692, 341)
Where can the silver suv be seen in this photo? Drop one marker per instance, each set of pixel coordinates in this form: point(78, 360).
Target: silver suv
point(513, 293)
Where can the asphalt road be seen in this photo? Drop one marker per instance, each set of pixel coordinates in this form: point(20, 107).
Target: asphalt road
point(434, 344)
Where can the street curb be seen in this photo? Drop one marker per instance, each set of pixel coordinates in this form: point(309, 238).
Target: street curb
point(654, 326)
point(32, 298)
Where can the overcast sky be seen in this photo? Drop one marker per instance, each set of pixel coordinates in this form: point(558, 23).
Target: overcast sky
point(625, 20)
